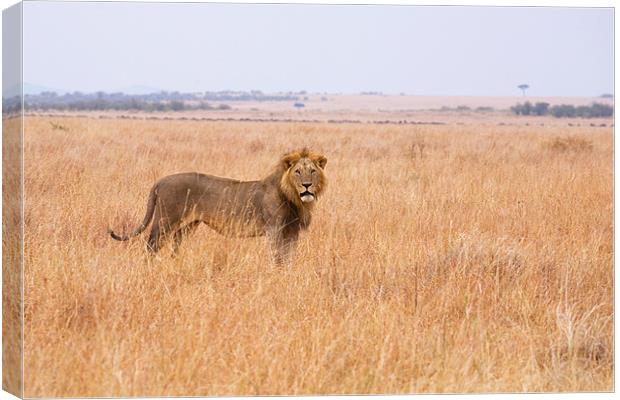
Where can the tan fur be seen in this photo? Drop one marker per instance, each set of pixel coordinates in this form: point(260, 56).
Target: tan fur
point(278, 206)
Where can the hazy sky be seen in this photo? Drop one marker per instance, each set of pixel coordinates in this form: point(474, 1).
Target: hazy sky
point(347, 49)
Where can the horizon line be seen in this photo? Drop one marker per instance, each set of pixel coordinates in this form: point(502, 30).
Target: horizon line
point(365, 92)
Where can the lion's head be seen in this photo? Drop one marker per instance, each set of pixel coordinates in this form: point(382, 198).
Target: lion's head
point(303, 179)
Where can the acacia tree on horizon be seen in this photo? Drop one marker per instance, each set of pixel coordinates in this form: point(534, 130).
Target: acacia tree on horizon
point(524, 87)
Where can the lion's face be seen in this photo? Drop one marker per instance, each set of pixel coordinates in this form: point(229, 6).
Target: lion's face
point(305, 177)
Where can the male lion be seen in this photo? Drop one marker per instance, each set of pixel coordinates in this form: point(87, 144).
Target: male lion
point(279, 206)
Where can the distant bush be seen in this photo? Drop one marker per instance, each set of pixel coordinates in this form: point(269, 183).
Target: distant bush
point(601, 110)
point(541, 108)
point(160, 101)
point(203, 105)
point(176, 105)
point(595, 110)
point(527, 108)
point(11, 105)
point(462, 108)
point(522, 109)
point(563, 110)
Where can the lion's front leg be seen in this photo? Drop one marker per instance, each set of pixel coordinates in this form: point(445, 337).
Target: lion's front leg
point(282, 248)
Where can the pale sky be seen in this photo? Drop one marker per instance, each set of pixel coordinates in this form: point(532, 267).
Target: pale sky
point(483, 51)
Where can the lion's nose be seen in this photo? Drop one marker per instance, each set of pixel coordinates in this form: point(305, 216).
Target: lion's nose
point(306, 185)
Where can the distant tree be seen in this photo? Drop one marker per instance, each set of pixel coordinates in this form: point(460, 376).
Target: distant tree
point(523, 87)
point(595, 110)
point(601, 110)
point(177, 105)
point(541, 108)
point(203, 105)
point(159, 106)
point(134, 104)
point(563, 110)
point(522, 109)
point(584, 112)
point(528, 109)
point(159, 101)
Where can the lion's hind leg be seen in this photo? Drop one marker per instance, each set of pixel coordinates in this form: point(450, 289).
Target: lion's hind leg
point(154, 242)
point(160, 231)
point(183, 232)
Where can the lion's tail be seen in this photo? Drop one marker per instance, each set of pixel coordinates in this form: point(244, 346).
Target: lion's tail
point(150, 210)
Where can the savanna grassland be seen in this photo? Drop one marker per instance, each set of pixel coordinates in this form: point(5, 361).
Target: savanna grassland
point(442, 258)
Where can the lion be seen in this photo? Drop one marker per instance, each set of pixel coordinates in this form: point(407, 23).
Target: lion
point(278, 206)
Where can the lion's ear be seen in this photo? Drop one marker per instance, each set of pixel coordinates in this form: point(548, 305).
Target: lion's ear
point(288, 160)
point(321, 161)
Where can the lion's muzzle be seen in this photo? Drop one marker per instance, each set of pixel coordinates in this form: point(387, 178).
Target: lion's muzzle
point(307, 196)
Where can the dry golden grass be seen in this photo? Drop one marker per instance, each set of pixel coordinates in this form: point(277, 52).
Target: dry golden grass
point(11, 256)
point(441, 259)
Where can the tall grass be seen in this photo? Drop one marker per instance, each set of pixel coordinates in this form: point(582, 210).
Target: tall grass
point(481, 264)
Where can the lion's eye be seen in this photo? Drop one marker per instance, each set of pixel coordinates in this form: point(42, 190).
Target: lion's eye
point(298, 172)
point(313, 171)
